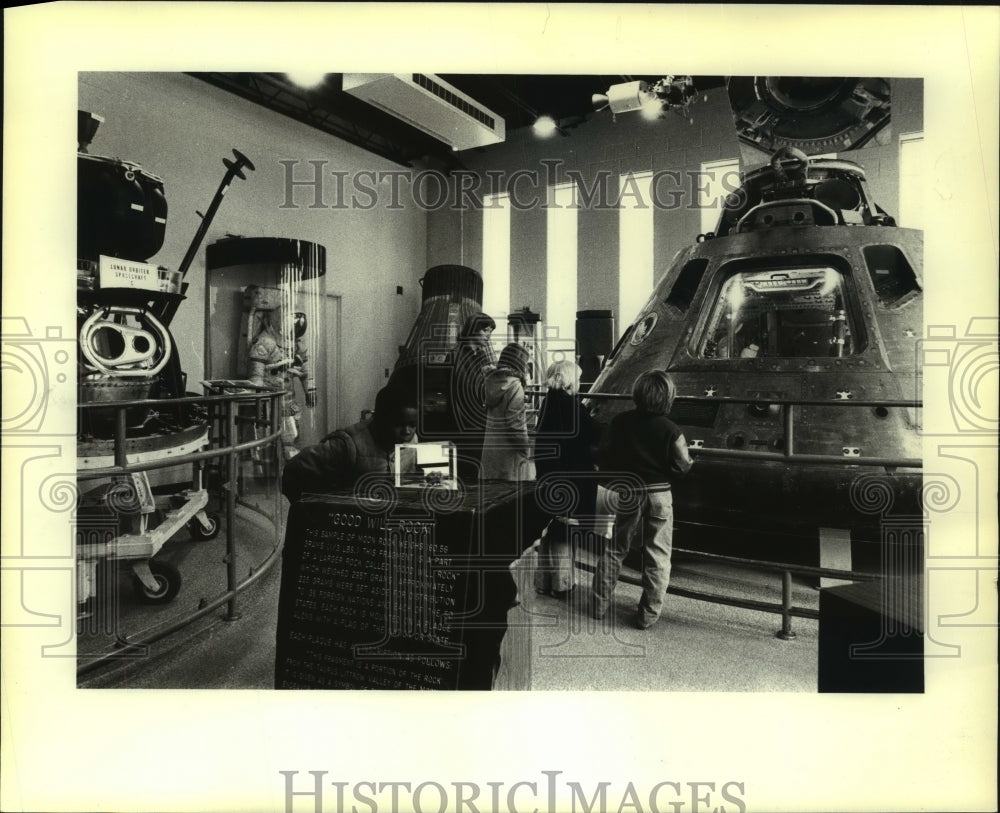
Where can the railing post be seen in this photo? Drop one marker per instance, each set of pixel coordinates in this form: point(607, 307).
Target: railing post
point(121, 459)
point(785, 633)
point(789, 430)
point(277, 449)
point(231, 579)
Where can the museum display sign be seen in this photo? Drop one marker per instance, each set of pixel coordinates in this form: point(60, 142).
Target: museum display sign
point(404, 589)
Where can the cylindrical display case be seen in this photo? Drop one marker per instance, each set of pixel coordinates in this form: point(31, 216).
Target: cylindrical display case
point(265, 325)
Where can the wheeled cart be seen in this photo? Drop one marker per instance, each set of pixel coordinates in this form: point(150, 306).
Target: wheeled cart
point(133, 524)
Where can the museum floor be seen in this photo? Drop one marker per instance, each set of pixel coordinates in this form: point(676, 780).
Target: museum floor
point(695, 646)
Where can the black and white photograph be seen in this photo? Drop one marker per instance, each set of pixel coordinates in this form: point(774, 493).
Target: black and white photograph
point(447, 391)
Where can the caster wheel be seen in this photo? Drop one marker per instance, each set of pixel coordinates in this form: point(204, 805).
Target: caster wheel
point(200, 532)
point(168, 580)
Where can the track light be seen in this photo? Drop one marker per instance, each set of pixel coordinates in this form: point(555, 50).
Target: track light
point(545, 126)
point(305, 78)
point(652, 109)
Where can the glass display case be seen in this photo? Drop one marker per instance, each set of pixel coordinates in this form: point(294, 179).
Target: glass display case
point(265, 327)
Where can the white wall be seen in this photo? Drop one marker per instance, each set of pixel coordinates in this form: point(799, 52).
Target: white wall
point(180, 128)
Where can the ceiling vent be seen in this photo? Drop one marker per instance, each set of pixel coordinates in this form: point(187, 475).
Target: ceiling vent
point(428, 103)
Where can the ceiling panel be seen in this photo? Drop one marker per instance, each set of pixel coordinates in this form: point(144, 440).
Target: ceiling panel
point(518, 98)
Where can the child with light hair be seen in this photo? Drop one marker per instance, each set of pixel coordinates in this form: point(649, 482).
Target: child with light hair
point(563, 375)
point(644, 443)
point(565, 446)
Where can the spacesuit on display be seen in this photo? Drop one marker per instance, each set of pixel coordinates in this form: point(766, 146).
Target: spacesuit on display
point(278, 356)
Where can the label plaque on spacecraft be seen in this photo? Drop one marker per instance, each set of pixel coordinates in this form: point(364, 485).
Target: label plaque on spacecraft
point(415, 597)
point(118, 273)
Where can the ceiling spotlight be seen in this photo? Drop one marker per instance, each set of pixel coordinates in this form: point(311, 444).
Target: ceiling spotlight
point(545, 126)
point(306, 79)
point(652, 109)
point(599, 101)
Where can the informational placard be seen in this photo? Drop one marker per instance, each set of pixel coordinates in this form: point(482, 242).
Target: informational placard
point(118, 273)
point(410, 592)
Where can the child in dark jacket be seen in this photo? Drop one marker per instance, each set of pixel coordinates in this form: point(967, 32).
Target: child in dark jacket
point(646, 445)
point(346, 455)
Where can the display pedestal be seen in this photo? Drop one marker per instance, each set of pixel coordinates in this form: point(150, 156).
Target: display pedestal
point(871, 637)
point(407, 592)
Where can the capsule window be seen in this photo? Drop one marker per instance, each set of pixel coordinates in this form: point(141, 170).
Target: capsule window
point(621, 343)
point(683, 290)
point(790, 312)
point(891, 274)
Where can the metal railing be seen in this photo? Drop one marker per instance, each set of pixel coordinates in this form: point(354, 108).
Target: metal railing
point(222, 409)
point(221, 420)
point(785, 609)
point(787, 453)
